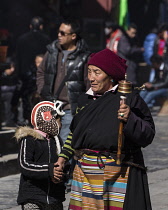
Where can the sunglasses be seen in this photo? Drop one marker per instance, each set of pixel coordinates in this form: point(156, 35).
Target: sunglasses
point(64, 33)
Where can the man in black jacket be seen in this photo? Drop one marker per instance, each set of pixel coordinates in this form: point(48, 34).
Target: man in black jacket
point(29, 45)
point(65, 56)
point(159, 87)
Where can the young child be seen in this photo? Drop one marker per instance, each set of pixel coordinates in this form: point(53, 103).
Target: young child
point(39, 149)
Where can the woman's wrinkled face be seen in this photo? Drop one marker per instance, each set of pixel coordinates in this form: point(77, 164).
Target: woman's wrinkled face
point(100, 82)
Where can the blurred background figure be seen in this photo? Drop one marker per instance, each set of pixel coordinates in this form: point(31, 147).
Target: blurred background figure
point(4, 45)
point(36, 98)
point(113, 34)
point(149, 50)
point(148, 45)
point(158, 88)
point(128, 49)
point(155, 43)
point(160, 45)
point(8, 86)
point(29, 45)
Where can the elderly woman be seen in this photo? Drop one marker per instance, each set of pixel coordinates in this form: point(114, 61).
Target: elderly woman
point(98, 182)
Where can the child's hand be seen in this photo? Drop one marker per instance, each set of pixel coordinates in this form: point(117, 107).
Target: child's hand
point(58, 172)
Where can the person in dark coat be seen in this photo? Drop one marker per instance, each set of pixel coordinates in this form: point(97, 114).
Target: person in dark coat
point(128, 50)
point(8, 82)
point(38, 151)
point(99, 180)
point(28, 46)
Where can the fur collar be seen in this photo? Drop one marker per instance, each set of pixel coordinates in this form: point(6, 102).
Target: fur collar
point(24, 131)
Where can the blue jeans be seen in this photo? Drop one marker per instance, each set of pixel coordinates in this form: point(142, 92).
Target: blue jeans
point(66, 121)
point(150, 96)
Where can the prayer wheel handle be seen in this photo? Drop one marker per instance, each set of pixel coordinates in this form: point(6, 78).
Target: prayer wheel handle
point(124, 87)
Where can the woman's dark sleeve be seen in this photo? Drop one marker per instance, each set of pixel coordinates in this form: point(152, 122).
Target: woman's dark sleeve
point(140, 128)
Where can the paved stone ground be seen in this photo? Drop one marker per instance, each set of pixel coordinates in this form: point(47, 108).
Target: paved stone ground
point(8, 193)
point(156, 154)
point(158, 185)
point(156, 159)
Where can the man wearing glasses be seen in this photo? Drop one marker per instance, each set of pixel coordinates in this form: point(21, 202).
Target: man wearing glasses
point(65, 56)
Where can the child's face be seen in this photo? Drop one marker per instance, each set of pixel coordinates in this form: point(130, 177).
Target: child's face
point(48, 122)
point(38, 60)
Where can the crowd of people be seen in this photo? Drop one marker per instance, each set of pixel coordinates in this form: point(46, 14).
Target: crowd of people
point(73, 111)
point(154, 53)
point(28, 83)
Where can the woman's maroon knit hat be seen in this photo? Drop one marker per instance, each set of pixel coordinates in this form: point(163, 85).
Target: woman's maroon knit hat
point(110, 63)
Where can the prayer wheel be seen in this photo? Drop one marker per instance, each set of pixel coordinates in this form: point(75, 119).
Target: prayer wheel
point(123, 87)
